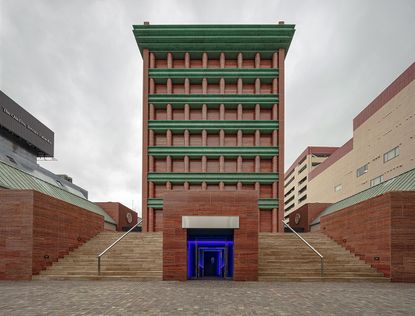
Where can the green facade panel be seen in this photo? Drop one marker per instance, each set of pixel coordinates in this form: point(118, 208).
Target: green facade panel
point(196, 177)
point(197, 100)
point(157, 203)
point(194, 126)
point(213, 75)
point(213, 152)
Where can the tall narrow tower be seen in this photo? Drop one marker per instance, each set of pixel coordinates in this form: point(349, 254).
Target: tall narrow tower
point(213, 114)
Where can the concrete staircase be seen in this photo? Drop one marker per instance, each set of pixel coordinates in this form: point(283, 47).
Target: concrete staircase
point(138, 256)
point(284, 257)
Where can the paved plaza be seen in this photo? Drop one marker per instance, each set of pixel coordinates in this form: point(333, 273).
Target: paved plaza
point(204, 298)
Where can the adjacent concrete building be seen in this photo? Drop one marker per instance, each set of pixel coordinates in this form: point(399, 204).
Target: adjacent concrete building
point(297, 177)
point(382, 147)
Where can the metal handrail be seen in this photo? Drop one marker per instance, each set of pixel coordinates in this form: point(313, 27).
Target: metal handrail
point(113, 244)
point(311, 247)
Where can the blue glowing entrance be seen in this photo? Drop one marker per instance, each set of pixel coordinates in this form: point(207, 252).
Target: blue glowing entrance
point(210, 253)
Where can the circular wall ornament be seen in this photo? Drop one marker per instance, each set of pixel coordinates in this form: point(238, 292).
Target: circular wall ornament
point(297, 218)
point(129, 218)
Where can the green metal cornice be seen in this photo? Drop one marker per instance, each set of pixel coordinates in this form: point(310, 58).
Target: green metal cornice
point(267, 203)
point(213, 75)
point(197, 100)
point(213, 152)
point(195, 177)
point(262, 203)
point(213, 126)
point(155, 203)
point(214, 39)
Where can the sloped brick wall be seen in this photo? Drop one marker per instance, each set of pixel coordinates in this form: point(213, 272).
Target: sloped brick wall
point(36, 229)
point(381, 231)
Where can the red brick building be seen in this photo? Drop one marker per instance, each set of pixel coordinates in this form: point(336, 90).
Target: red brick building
point(213, 131)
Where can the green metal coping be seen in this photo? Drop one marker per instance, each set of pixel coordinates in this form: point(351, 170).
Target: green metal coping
point(213, 126)
point(214, 39)
point(213, 75)
point(13, 178)
point(196, 152)
point(265, 204)
point(402, 182)
point(197, 100)
point(196, 177)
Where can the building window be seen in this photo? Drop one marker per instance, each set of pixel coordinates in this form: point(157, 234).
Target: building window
point(376, 181)
point(302, 180)
point(288, 183)
point(302, 169)
point(289, 200)
point(391, 154)
point(338, 188)
point(362, 170)
point(302, 198)
point(289, 207)
point(302, 189)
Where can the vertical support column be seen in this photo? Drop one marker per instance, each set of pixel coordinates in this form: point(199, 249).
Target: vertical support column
point(151, 210)
point(221, 164)
point(281, 136)
point(168, 164)
point(150, 219)
point(222, 60)
point(257, 137)
point(145, 185)
point(239, 164)
point(204, 60)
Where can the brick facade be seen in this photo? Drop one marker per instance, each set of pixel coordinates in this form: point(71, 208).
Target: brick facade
point(119, 212)
point(239, 203)
point(308, 212)
point(36, 229)
point(379, 230)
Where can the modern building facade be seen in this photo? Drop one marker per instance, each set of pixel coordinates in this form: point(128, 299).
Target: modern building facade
point(213, 127)
point(382, 147)
point(297, 177)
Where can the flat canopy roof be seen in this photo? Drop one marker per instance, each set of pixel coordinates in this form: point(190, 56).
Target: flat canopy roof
point(214, 39)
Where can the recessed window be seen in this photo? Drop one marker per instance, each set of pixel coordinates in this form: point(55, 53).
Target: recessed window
point(338, 188)
point(302, 198)
point(376, 181)
point(302, 180)
point(391, 154)
point(362, 170)
point(302, 168)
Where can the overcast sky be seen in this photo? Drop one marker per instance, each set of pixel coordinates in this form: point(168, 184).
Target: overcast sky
point(75, 65)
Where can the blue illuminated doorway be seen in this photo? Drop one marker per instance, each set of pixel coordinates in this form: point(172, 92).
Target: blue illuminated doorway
point(210, 253)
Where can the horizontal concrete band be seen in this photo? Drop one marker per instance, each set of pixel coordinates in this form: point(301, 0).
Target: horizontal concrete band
point(212, 152)
point(263, 204)
point(210, 221)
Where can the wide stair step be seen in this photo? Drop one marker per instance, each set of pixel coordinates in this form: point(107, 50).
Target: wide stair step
point(284, 257)
point(136, 257)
